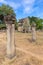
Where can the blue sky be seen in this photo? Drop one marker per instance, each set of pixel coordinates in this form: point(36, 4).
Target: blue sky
point(24, 8)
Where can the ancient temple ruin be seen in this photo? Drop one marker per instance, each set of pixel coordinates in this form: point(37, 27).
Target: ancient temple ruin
point(24, 25)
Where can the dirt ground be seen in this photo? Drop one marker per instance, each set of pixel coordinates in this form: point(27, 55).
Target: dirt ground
point(27, 52)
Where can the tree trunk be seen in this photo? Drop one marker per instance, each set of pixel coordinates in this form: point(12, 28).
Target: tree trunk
point(10, 41)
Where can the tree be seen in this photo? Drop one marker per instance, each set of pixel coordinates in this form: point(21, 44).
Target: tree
point(6, 9)
point(16, 25)
point(38, 21)
point(33, 19)
point(39, 24)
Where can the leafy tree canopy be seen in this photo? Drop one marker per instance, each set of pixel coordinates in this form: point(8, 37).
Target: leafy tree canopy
point(37, 21)
point(6, 9)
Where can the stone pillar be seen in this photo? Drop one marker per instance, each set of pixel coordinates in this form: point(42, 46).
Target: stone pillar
point(29, 28)
point(10, 41)
point(33, 32)
point(13, 41)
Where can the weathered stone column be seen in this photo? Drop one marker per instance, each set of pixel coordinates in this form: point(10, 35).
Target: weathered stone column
point(29, 28)
point(33, 32)
point(10, 22)
point(10, 41)
point(8, 50)
point(13, 41)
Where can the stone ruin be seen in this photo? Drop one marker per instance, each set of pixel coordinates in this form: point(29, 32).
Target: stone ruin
point(10, 47)
point(24, 25)
point(10, 20)
point(33, 31)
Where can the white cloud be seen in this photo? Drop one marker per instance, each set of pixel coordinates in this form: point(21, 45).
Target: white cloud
point(27, 10)
point(12, 4)
point(3, 1)
point(28, 1)
point(28, 6)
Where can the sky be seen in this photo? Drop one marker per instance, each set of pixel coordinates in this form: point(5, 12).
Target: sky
point(25, 8)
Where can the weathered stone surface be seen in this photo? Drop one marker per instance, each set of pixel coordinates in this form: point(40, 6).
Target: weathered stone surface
point(9, 19)
point(24, 25)
point(10, 41)
point(33, 32)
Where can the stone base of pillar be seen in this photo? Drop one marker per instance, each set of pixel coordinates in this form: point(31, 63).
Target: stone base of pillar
point(7, 60)
point(34, 40)
point(10, 56)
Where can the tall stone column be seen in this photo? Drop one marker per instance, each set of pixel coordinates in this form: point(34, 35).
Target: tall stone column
point(10, 41)
point(29, 28)
point(33, 32)
point(13, 41)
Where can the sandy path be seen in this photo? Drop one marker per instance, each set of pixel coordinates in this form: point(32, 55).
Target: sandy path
point(6, 62)
point(30, 53)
